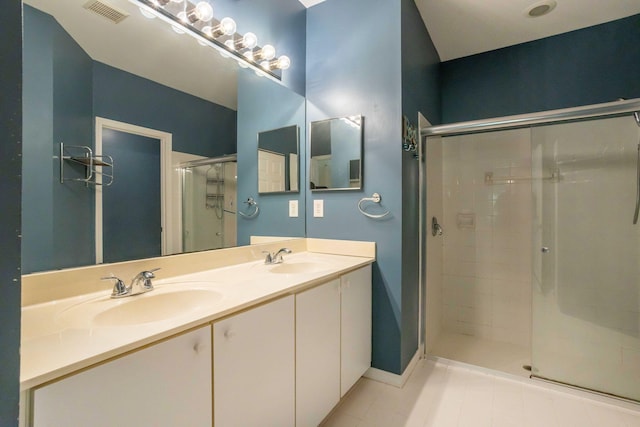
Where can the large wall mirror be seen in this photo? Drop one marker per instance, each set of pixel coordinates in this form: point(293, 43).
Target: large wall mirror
point(278, 160)
point(80, 68)
point(336, 154)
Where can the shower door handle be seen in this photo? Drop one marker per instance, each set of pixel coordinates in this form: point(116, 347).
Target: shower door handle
point(637, 211)
point(545, 250)
point(436, 229)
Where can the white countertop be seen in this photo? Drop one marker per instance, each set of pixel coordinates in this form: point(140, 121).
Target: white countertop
point(63, 336)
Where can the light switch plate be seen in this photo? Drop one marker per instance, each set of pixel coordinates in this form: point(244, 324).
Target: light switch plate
point(293, 208)
point(318, 208)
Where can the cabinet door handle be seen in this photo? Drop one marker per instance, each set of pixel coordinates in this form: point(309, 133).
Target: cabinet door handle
point(198, 347)
point(228, 334)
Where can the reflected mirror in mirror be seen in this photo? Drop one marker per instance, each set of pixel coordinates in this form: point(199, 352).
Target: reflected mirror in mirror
point(336, 154)
point(137, 72)
point(278, 160)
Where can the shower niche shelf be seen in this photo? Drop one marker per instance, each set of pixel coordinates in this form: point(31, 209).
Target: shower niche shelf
point(83, 155)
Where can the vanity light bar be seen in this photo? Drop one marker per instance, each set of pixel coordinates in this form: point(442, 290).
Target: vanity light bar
point(185, 17)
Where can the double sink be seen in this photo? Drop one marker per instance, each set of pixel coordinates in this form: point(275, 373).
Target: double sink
point(175, 298)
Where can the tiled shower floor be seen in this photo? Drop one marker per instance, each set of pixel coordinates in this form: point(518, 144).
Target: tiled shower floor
point(440, 394)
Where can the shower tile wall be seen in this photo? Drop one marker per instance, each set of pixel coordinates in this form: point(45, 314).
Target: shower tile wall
point(487, 238)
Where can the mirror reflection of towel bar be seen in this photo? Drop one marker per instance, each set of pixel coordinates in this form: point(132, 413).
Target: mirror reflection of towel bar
point(375, 198)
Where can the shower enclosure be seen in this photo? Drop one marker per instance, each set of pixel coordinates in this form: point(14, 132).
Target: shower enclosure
point(209, 203)
point(538, 264)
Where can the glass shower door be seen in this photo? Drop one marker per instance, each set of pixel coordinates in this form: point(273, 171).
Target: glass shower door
point(586, 265)
point(208, 206)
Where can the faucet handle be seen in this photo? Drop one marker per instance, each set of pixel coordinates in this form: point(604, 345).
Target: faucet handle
point(269, 258)
point(148, 274)
point(146, 277)
point(119, 288)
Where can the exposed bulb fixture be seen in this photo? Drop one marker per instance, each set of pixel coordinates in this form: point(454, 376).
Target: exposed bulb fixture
point(541, 8)
point(196, 18)
point(248, 41)
point(202, 12)
point(282, 63)
point(267, 52)
point(226, 27)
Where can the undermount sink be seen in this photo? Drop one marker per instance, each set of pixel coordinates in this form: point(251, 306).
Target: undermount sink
point(154, 306)
point(298, 267)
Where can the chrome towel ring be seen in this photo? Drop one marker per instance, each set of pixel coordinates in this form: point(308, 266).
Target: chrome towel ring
point(251, 203)
point(375, 198)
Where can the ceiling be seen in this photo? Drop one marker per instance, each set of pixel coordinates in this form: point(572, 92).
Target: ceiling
point(465, 27)
point(149, 48)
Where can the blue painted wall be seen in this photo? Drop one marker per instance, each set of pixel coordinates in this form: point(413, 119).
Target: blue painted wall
point(281, 23)
point(420, 93)
point(588, 66)
point(265, 105)
point(347, 75)
point(10, 185)
point(354, 67)
point(198, 126)
point(57, 108)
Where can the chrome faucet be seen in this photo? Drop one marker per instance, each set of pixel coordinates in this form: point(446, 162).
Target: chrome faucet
point(139, 285)
point(275, 258)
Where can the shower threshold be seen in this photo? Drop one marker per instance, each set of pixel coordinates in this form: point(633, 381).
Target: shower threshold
point(485, 353)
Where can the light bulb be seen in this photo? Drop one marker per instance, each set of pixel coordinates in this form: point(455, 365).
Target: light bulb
point(202, 12)
point(177, 29)
point(284, 62)
point(249, 41)
point(227, 26)
point(248, 54)
point(265, 65)
point(243, 64)
point(182, 16)
point(147, 13)
point(267, 52)
point(230, 44)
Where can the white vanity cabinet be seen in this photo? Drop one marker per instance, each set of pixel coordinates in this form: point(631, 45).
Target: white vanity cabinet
point(355, 339)
point(317, 353)
point(166, 384)
point(254, 367)
point(333, 343)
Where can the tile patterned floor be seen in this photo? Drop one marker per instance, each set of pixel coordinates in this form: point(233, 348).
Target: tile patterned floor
point(440, 394)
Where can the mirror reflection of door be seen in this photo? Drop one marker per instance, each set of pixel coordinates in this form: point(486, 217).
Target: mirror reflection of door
point(131, 206)
point(271, 172)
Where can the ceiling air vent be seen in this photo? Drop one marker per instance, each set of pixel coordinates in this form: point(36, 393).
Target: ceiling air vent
point(103, 9)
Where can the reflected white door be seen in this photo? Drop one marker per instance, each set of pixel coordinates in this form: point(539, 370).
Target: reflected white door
point(271, 170)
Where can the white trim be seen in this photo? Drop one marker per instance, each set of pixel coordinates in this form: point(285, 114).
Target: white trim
point(395, 379)
point(165, 179)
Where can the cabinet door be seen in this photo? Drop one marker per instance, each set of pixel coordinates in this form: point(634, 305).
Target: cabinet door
point(356, 327)
point(253, 365)
point(167, 384)
point(317, 353)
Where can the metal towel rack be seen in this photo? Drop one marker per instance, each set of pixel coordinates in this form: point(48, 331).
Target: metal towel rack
point(375, 198)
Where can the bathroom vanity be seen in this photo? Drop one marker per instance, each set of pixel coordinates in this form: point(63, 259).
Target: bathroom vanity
point(243, 343)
